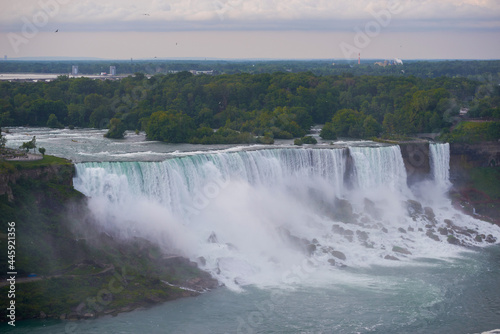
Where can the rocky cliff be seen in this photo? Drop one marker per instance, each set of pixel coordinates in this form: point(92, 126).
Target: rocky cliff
point(466, 156)
point(61, 173)
point(66, 268)
point(475, 173)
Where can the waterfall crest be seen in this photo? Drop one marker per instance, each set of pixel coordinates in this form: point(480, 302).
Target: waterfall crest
point(248, 217)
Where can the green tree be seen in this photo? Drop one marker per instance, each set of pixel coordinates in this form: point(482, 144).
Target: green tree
point(371, 128)
point(328, 132)
point(116, 129)
point(3, 140)
point(99, 118)
point(309, 140)
point(169, 126)
point(54, 123)
point(29, 145)
point(348, 123)
point(42, 150)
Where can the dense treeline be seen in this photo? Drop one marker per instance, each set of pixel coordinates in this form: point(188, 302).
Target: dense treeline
point(473, 132)
point(244, 107)
point(479, 70)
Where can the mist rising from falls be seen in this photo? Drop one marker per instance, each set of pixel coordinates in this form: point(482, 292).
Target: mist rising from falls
point(249, 217)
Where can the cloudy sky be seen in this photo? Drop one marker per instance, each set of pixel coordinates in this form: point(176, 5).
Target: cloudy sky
point(291, 29)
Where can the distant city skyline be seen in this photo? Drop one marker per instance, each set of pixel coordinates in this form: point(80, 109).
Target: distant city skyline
point(235, 29)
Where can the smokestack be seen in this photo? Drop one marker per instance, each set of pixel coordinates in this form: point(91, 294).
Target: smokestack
point(359, 58)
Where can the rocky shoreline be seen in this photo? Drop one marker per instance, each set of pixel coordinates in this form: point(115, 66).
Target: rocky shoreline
point(102, 304)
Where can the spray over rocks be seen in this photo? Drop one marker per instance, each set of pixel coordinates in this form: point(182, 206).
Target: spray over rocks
point(247, 217)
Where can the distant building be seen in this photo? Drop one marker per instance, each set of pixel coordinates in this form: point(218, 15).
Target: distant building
point(5, 57)
point(383, 64)
point(74, 70)
point(112, 70)
point(202, 72)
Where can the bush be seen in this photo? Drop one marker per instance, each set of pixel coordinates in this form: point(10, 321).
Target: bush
point(116, 129)
point(265, 140)
point(473, 132)
point(309, 140)
point(54, 123)
point(328, 132)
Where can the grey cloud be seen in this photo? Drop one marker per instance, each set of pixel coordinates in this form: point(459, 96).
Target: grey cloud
point(332, 15)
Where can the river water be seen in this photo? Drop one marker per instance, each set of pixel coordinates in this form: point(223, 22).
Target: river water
point(302, 240)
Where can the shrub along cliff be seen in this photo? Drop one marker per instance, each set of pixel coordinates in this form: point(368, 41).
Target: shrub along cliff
point(65, 267)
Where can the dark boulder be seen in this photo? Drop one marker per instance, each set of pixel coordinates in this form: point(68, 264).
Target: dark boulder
point(338, 255)
point(343, 211)
point(362, 235)
point(431, 235)
point(311, 248)
point(429, 214)
point(401, 250)
point(443, 231)
point(490, 239)
point(414, 208)
point(453, 240)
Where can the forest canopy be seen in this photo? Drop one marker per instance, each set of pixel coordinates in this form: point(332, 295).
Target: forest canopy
point(243, 108)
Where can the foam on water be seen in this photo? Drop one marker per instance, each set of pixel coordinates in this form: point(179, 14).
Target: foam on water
point(269, 217)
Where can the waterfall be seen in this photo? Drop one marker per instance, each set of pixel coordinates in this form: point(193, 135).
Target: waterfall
point(178, 181)
point(379, 166)
point(440, 163)
point(248, 217)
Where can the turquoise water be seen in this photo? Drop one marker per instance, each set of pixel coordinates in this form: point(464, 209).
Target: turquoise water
point(440, 288)
point(456, 296)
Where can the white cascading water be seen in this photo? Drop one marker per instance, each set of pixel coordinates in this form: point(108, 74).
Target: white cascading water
point(440, 163)
point(251, 217)
point(379, 166)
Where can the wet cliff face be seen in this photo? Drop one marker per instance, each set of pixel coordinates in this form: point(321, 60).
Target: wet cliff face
point(463, 157)
point(466, 156)
point(416, 160)
point(59, 174)
point(475, 173)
